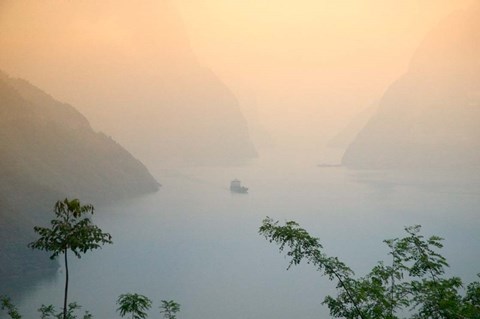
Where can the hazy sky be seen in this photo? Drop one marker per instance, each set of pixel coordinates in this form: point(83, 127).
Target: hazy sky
point(300, 68)
point(317, 61)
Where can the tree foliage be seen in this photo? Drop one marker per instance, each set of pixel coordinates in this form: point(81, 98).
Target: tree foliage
point(412, 283)
point(71, 230)
point(134, 304)
point(49, 312)
point(131, 304)
point(169, 309)
point(12, 311)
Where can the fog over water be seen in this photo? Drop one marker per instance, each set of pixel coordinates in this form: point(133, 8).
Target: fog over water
point(302, 70)
point(203, 92)
point(197, 243)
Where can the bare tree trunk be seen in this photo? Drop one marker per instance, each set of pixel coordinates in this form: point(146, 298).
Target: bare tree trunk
point(66, 287)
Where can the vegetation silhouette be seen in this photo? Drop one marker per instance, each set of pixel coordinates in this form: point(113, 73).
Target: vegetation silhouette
point(73, 230)
point(169, 309)
point(412, 283)
point(134, 304)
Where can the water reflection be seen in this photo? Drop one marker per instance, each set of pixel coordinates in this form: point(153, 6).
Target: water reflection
point(19, 288)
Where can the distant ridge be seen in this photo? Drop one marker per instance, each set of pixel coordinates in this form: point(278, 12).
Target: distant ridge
point(346, 136)
point(430, 117)
point(144, 86)
point(48, 151)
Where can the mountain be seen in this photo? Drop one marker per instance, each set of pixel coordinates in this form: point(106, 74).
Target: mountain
point(430, 116)
point(48, 151)
point(130, 68)
point(346, 136)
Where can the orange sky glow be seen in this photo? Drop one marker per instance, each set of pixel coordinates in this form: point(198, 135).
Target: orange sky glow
point(298, 68)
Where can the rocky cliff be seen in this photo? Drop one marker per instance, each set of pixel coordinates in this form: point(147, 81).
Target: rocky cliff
point(430, 116)
point(130, 69)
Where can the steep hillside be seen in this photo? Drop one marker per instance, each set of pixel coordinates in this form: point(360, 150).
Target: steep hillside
point(129, 67)
point(346, 136)
point(48, 151)
point(430, 116)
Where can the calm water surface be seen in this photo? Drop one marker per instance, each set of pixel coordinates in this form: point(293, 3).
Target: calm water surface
point(197, 243)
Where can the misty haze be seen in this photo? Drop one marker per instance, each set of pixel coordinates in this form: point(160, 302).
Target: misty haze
point(186, 123)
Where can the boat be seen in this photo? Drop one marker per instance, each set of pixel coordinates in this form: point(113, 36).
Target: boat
point(236, 187)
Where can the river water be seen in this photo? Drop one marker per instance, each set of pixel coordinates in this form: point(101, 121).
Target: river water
point(197, 243)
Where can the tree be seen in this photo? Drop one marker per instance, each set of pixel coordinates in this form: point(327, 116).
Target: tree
point(12, 311)
point(134, 304)
point(412, 283)
point(49, 312)
point(73, 230)
point(169, 309)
